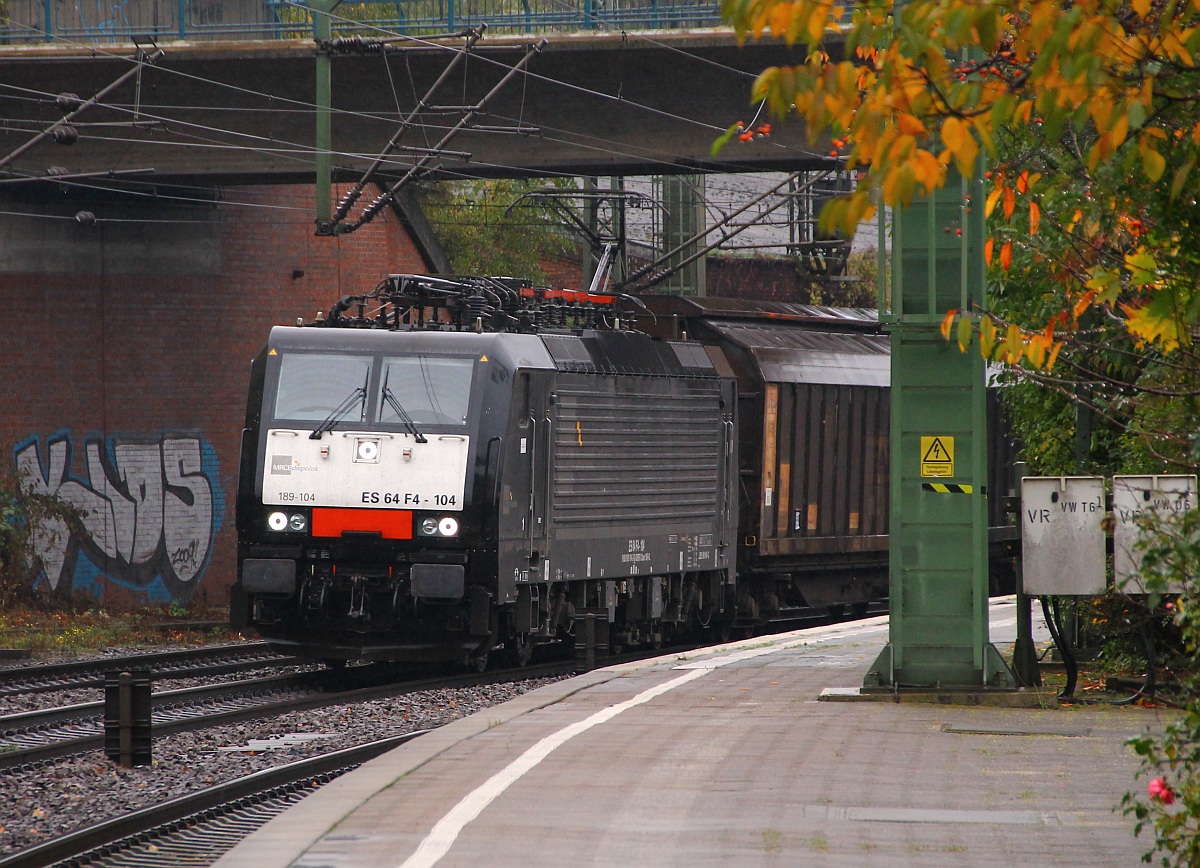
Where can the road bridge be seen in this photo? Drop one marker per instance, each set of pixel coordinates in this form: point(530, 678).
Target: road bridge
point(592, 103)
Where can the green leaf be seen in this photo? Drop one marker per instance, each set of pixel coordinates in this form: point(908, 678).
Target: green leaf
point(1137, 115)
point(1181, 175)
point(964, 331)
point(722, 140)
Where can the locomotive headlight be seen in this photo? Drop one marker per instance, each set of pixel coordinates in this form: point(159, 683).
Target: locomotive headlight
point(277, 521)
point(447, 526)
point(298, 522)
point(366, 450)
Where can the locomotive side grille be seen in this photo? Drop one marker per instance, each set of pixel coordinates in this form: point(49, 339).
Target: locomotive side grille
point(642, 456)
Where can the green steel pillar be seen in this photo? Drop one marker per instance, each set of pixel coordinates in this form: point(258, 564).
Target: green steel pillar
point(322, 33)
point(938, 635)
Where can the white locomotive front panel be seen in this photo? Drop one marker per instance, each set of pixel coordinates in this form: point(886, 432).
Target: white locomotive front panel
point(365, 469)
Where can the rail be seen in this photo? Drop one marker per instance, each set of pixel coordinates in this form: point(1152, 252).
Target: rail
point(25, 22)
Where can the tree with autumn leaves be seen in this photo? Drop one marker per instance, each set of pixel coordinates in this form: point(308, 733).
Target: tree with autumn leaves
point(907, 95)
point(1088, 116)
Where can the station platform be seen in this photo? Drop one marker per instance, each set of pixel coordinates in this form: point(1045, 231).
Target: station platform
point(729, 757)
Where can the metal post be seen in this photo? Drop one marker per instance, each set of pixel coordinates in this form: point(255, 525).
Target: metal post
point(125, 719)
point(589, 642)
point(128, 717)
point(1025, 662)
point(938, 634)
point(322, 34)
point(182, 13)
point(48, 20)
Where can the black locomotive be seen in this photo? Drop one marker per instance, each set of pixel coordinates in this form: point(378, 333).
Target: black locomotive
point(447, 467)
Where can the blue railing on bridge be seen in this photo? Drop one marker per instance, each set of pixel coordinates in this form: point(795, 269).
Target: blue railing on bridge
point(105, 21)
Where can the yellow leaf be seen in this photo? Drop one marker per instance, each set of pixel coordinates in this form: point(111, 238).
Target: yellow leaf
point(987, 336)
point(992, 199)
point(926, 169)
point(816, 24)
point(1141, 7)
point(1013, 345)
point(953, 133)
point(1035, 350)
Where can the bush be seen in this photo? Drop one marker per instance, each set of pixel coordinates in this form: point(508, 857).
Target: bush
point(1170, 805)
point(27, 516)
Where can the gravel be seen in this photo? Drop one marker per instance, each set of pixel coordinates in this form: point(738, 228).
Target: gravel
point(70, 794)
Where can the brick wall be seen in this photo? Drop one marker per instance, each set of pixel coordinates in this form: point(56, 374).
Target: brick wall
point(126, 348)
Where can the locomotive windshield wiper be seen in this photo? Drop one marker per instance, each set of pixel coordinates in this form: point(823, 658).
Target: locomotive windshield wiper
point(401, 412)
point(357, 396)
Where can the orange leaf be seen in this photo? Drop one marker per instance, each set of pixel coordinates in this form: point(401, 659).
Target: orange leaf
point(1010, 202)
point(987, 250)
point(1053, 354)
point(947, 322)
point(1023, 182)
point(1006, 255)
point(908, 124)
point(1035, 218)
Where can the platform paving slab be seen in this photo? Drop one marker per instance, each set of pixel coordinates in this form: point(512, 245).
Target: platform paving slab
point(728, 757)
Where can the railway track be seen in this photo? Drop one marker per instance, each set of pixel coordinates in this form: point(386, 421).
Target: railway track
point(39, 736)
point(189, 663)
point(197, 828)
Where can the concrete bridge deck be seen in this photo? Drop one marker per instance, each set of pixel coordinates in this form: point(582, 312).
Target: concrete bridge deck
point(243, 112)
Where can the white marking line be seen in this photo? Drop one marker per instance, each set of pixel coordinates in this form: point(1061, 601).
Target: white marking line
point(438, 842)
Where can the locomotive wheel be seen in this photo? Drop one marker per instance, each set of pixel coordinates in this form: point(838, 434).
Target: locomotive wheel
point(518, 649)
point(477, 663)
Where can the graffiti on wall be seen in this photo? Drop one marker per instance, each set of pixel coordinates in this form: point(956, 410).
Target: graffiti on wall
point(151, 509)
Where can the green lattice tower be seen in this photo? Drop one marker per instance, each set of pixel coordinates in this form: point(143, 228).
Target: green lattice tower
point(938, 635)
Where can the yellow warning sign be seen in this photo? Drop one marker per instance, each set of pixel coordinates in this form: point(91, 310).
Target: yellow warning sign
point(937, 456)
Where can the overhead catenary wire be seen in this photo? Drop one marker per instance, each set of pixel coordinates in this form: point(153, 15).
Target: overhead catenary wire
point(299, 153)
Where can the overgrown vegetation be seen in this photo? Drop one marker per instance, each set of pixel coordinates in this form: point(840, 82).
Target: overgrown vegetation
point(68, 630)
point(1169, 809)
point(482, 233)
point(26, 517)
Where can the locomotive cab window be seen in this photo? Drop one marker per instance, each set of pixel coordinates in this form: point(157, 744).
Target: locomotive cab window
point(313, 387)
point(432, 390)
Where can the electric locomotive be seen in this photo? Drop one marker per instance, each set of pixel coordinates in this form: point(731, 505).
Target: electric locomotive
point(447, 467)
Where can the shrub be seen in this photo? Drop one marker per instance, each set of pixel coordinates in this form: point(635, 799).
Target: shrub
point(27, 516)
point(1170, 804)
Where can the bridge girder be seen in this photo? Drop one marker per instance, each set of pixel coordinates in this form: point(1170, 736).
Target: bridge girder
point(237, 113)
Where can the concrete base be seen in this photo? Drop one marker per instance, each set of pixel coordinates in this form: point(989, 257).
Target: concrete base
point(1019, 698)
